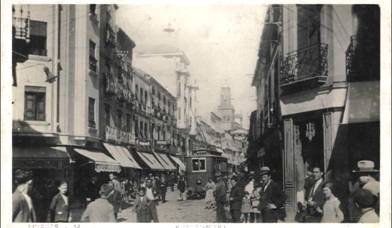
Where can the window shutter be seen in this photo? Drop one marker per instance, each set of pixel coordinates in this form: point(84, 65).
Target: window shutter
point(40, 107)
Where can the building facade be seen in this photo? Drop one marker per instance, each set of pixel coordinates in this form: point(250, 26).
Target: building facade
point(310, 84)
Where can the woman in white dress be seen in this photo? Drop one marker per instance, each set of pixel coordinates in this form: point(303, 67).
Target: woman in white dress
point(210, 188)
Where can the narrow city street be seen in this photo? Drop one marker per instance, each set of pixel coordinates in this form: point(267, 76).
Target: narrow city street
point(190, 211)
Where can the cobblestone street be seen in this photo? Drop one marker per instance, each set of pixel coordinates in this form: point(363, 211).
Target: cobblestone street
point(190, 211)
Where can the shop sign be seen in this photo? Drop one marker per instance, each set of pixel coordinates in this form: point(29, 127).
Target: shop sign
point(39, 164)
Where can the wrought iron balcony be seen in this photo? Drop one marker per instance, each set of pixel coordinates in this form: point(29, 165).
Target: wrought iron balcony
point(350, 53)
point(304, 66)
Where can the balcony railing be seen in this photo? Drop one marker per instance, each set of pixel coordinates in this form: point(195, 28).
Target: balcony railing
point(350, 53)
point(310, 63)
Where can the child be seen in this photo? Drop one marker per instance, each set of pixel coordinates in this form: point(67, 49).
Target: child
point(246, 208)
point(331, 211)
point(143, 207)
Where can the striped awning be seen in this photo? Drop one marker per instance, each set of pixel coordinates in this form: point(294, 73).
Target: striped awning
point(179, 163)
point(102, 162)
point(151, 161)
point(122, 155)
point(165, 162)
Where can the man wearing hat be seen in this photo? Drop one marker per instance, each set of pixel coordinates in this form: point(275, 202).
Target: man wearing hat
point(22, 205)
point(236, 195)
point(365, 201)
point(220, 198)
point(315, 197)
point(365, 175)
point(272, 198)
point(100, 210)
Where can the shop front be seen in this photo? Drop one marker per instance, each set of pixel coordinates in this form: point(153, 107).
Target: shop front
point(49, 164)
point(310, 120)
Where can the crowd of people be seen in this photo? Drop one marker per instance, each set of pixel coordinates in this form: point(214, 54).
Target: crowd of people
point(248, 197)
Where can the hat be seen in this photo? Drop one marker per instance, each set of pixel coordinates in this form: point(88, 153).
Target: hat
point(22, 176)
point(365, 166)
point(105, 190)
point(364, 198)
point(265, 170)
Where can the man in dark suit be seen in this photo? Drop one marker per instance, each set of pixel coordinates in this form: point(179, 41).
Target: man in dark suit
point(272, 198)
point(100, 210)
point(59, 207)
point(22, 205)
point(220, 198)
point(236, 195)
point(315, 197)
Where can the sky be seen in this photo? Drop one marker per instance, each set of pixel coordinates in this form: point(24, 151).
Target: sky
point(221, 42)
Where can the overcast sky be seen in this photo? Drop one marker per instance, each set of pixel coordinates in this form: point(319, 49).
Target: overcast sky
point(221, 42)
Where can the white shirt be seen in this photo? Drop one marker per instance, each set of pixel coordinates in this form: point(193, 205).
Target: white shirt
point(250, 187)
point(149, 194)
point(65, 198)
point(28, 200)
point(266, 186)
point(314, 188)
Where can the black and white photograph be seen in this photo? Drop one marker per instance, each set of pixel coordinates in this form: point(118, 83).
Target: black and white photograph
point(195, 113)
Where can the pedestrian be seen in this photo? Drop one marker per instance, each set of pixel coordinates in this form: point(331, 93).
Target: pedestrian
point(59, 207)
point(246, 207)
point(100, 210)
point(151, 194)
point(163, 188)
point(315, 197)
point(172, 181)
point(199, 191)
point(331, 209)
point(92, 192)
point(255, 214)
point(366, 175)
point(210, 188)
point(142, 207)
point(235, 199)
point(156, 185)
point(181, 187)
point(365, 200)
point(272, 198)
point(220, 199)
point(116, 198)
point(22, 205)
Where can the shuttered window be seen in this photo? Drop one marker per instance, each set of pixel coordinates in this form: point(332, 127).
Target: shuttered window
point(34, 103)
point(38, 35)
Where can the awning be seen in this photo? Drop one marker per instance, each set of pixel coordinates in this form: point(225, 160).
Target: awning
point(311, 101)
point(150, 160)
point(122, 155)
point(219, 150)
point(179, 163)
point(362, 103)
point(55, 157)
point(102, 162)
point(165, 161)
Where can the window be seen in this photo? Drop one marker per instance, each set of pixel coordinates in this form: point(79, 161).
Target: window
point(145, 97)
point(136, 127)
point(141, 129)
point(129, 124)
point(145, 130)
point(91, 112)
point(136, 91)
point(93, 60)
point(198, 165)
point(141, 95)
point(119, 119)
point(153, 90)
point(92, 11)
point(35, 103)
point(38, 35)
point(107, 114)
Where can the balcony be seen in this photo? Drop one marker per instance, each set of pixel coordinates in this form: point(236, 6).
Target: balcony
point(307, 67)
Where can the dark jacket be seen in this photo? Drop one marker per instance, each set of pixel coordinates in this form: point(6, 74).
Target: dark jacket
point(318, 198)
point(236, 195)
point(143, 209)
point(20, 209)
point(100, 210)
point(273, 194)
point(58, 210)
point(181, 185)
point(220, 192)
